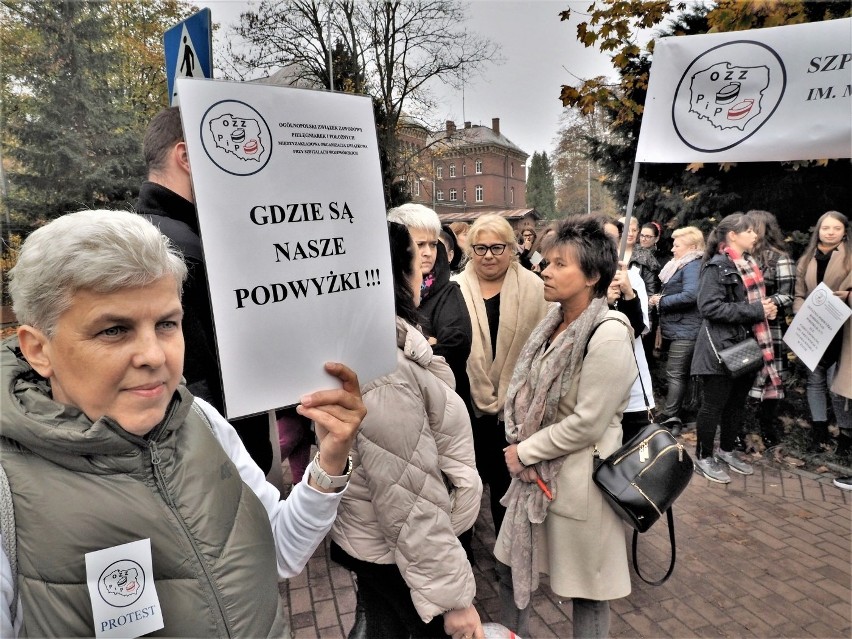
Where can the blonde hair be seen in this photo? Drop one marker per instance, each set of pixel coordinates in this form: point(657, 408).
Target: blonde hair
point(492, 223)
point(691, 235)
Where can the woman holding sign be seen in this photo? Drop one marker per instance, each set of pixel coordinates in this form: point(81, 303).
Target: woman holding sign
point(118, 478)
point(827, 259)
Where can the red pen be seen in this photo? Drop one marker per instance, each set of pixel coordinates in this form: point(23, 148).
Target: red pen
point(544, 488)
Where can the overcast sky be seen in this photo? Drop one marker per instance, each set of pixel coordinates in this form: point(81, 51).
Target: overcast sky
point(541, 53)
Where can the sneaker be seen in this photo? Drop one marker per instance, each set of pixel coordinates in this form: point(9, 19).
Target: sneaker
point(712, 470)
point(843, 483)
point(734, 463)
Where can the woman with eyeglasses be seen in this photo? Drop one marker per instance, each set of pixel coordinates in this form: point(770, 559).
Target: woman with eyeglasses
point(526, 250)
point(505, 302)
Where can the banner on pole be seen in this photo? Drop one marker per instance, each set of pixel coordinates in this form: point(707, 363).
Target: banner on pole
point(775, 94)
point(292, 217)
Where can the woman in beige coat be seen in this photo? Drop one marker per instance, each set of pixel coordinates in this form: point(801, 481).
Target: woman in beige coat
point(569, 389)
point(414, 486)
point(505, 303)
point(827, 260)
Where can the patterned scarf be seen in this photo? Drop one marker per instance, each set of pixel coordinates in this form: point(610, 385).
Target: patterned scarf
point(532, 402)
point(673, 266)
point(767, 377)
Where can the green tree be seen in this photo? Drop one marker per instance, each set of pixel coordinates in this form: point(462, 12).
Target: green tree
point(541, 191)
point(80, 80)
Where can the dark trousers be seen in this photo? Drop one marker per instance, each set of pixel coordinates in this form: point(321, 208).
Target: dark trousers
point(386, 599)
point(677, 375)
point(722, 404)
point(489, 440)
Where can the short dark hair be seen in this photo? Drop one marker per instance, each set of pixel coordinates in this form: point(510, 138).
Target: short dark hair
point(163, 132)
point(594, 249)
point(402, 267)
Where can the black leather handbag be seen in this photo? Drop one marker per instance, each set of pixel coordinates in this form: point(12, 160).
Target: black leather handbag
point(743, 358)
point(642, 479)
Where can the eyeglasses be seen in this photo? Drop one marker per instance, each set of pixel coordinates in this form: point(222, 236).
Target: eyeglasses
point(482, 249)
point(647, 237)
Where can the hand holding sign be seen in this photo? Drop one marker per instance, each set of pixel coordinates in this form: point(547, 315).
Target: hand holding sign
point(337, 415)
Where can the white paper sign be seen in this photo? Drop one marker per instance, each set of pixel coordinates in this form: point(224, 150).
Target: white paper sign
point(815, 325)
point(782, 93)
point(121, 587)
point(293, 223)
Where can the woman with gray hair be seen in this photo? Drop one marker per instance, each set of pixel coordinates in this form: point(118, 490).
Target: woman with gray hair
point(505, 302)
point(443, 315)
point(103, 446)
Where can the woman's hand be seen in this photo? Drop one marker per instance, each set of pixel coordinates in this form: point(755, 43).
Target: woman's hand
point(463, 623)
point(337, 415)
point(622, 280)
point(513, 462)
point(770, 311)
point(654, 300)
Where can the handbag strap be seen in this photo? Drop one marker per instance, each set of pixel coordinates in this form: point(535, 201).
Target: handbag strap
point(712, 345)
point(668, 574)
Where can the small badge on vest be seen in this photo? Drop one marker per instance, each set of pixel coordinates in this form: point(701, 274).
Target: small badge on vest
point(121, 587)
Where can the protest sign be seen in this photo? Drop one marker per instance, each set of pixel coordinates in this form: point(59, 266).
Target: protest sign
point(815, 325)
point(292, 216)
point(775, 94)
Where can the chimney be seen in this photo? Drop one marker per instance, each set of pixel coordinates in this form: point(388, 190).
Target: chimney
point(495, 125)
point(451, 127)
point(467, 124)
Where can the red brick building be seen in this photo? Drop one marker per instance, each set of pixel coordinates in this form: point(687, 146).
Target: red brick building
point(465, 173)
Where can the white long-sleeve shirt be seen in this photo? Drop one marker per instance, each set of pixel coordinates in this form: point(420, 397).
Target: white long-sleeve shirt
point(299, 523)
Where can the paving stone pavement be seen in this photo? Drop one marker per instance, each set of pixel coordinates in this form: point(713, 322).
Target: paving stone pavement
point(767, 555)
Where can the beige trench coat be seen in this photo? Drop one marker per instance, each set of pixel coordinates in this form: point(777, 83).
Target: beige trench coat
point(582, 544)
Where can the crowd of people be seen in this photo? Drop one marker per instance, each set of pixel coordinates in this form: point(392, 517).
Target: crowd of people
point(519, 358)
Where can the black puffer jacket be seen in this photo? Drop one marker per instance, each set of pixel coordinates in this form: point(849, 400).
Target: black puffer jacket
point(726, 313)
point(444, 316)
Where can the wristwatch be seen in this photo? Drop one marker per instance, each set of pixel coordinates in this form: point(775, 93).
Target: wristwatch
point(326, 481)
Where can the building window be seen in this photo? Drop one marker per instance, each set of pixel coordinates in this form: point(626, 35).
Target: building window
point(512, 170)
point(439, 172)
point(416, 188)
point(511, 195)
point(440, 195)
point(464, 195)
point(464, 169)
point(453, 195)
point(479, 192)
point(478, 167)
point(452, 170)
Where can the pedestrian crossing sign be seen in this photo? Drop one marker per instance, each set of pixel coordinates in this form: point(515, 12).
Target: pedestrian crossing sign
point(189, 50)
